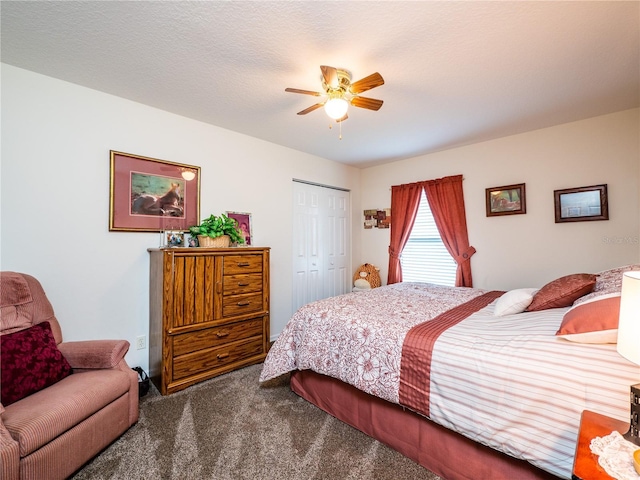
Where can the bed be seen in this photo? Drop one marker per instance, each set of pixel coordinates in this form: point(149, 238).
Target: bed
point(492, 385)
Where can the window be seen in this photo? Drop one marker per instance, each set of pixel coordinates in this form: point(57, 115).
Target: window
point(425, 258)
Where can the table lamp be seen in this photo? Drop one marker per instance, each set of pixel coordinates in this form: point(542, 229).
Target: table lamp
point(629, 342)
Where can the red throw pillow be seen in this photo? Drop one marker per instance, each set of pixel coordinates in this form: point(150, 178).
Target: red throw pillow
point(593, 321)
point(562, 292)
point(30, 361)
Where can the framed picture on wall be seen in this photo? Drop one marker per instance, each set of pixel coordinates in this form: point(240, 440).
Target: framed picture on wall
point(244, 224)
point(151, 195)
point(506, 200)
point(581, 204)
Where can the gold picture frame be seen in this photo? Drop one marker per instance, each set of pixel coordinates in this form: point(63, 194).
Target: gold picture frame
point(151, 195)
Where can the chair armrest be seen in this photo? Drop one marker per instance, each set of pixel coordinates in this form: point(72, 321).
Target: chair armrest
point(9, 453)
point(94, 353)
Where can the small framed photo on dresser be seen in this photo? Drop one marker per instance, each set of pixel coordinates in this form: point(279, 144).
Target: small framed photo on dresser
point(244, 224)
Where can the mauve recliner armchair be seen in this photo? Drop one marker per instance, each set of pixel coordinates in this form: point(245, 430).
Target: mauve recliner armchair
point(53, 432)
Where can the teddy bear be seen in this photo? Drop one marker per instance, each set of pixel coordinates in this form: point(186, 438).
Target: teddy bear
point(367, 276)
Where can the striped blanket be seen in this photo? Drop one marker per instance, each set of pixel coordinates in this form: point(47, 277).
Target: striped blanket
point(506, 382)
point(417, 352)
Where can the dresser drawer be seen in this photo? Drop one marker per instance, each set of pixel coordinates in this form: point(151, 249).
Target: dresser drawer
point(245, 283)
point(241, 304)
point(236, 264)
point(216, 336)
point(213, 358)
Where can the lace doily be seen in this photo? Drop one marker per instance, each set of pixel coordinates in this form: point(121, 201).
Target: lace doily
point(615, 455)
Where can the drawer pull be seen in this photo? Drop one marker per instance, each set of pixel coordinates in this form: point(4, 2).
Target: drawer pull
point(222, 356)
point(243, 284)
point(244, 304)
point(222, 333)
point(243, 264)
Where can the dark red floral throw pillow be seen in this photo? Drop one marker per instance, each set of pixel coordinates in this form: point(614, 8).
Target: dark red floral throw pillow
point(30, 361)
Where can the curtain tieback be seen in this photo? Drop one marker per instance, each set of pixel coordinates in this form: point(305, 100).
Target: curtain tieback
point(392, 253)
point(465, 256)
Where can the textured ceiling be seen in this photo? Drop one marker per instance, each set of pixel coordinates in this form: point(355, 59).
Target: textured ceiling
point(455, 72)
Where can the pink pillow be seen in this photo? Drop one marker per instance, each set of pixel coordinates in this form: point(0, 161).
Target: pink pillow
point(562, 292)
point(30, 361)
point(593, 321)
point(608, 281)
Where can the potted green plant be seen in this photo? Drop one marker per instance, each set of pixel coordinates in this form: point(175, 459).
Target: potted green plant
point(217, 231)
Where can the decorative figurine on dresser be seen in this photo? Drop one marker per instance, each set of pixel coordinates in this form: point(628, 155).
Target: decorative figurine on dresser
point(209, 313)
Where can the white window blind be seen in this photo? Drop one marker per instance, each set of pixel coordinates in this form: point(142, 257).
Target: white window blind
point(425, 258)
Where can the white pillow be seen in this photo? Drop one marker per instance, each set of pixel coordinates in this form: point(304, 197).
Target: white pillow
point(602, 336)
point(514, 301)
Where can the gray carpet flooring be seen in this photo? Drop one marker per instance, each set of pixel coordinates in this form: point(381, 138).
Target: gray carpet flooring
point(231, 427)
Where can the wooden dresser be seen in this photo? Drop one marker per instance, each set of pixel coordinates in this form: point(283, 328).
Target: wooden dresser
point(208, 313)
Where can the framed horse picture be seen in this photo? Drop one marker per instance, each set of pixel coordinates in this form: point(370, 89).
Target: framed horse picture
point(151, 195)
point(507, 200)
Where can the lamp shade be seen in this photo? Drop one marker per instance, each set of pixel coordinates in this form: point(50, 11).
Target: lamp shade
point(188, 175)
point(629, 321)
point(336, 107)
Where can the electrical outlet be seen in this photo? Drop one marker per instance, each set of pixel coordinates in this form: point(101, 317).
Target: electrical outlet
point(141, 342)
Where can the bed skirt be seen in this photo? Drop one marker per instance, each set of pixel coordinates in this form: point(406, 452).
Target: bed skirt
point(444, 452)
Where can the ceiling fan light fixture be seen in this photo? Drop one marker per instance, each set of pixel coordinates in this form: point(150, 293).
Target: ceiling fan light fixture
point(336, 107)
point(341, 92)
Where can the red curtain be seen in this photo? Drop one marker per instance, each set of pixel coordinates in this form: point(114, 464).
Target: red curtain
point(405, 200)
point(446, 201)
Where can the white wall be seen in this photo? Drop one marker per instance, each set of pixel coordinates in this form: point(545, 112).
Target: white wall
point(56, 138)
point(531, 249)
point(54, 182)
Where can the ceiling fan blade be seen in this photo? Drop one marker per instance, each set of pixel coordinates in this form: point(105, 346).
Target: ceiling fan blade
point(306, 92)
point(364, 102)
point(310, 109)
point(330, 75)
point(342, 119)
point(372, 81)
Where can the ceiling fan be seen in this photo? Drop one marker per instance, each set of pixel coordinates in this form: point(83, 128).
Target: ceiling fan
point(339, 93)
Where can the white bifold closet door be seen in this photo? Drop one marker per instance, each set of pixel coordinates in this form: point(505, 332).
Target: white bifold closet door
point(321, 243)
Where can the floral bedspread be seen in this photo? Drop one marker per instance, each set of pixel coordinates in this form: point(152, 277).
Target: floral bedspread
point(358, 337)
